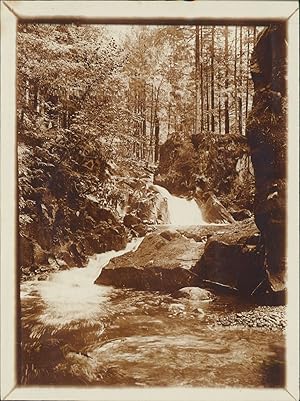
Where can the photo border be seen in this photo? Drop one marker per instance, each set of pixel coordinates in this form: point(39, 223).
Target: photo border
point(138, 12)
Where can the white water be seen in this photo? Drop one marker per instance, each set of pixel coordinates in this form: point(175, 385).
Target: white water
point(182, 212)
point(71, 295)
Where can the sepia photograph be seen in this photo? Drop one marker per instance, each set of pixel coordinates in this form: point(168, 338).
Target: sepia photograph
point(151, 198)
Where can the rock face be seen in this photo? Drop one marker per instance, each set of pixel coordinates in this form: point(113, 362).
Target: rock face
point(164, 261)
point(233, 258)
point(212, 209)
point(68, 212)
point(266, 133)
point(185, 165)
point(210, 256)
point(242, 214)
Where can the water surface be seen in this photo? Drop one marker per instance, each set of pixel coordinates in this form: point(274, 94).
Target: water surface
point(76, 332)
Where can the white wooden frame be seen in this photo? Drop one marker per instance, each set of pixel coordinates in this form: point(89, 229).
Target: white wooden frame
point(114, 11)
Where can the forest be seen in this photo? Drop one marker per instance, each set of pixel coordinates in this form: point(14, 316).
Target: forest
point(151, 180)
point(157, 80)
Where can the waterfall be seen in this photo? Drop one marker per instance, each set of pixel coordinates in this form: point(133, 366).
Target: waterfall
point(182, 212)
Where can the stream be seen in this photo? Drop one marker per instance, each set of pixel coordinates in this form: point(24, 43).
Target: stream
point(75, 332)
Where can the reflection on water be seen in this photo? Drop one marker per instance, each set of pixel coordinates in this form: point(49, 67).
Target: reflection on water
point(75, 332)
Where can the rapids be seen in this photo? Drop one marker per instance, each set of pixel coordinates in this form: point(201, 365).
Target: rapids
point(74, 332)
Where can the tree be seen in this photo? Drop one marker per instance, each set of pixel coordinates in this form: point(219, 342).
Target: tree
point(226, 81)
point(197, 65)
point(212, 78)
point(240, 101)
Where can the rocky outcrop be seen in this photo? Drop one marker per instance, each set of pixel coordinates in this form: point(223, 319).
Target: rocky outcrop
point(164, 261)
point(266, 133)
point(241, 214)
point(215, 257)
point(212, 209)
point(186, 165)
point(68, 212)
point(233, 259)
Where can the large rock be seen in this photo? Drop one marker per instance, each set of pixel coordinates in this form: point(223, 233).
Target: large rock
point(266, 132)
point(149, 205)
point(242, 214)
point(194, 294)
point(209, 256)
point(25, 252)
point(233, 258)
point(212, 209)
point(164, 261)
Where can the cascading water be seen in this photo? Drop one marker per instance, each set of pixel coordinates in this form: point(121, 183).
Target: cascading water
point(182, 212)
point(71, 295)
point(76, 332)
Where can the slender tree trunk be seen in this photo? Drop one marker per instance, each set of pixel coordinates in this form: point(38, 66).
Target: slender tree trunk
point(156, 122)
point(197, 62)
point(207, 100)
point(241, 83)
point(226, 82)
point(235, 81)
point(247, 70)
point(156, 152)
point(219, 102)
point(201, 79)
point(212, 89)
point(151, 125)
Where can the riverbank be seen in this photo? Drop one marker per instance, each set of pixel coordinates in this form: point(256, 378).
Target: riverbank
point(264, 318)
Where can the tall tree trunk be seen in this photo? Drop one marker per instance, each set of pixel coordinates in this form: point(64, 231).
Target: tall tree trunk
point(207, 100)
point(151, 125)
point(212, 89)
point(197, 62)
point(201, 79)
point(247, 71)
point(219, 102)
point(235, 81)
point(156, 152)
point(226, 81)
point(241, 82)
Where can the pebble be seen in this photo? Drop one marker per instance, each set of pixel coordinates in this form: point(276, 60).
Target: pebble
point(262, 317)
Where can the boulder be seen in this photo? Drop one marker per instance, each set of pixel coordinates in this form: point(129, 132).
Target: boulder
point(212, 209)
point(194, 293)
point(140, 229)
point(241, 214)
point(234, 259)
point(266, 132)
point(131, 220)
point(164, 261)
point(150, 206)
point(229, 257)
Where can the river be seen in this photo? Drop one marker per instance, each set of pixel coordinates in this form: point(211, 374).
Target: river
point(76, 332)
